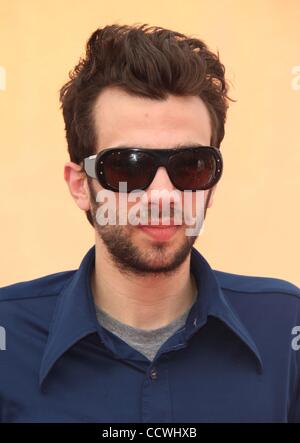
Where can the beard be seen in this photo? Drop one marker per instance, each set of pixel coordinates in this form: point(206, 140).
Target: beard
point(153, 260)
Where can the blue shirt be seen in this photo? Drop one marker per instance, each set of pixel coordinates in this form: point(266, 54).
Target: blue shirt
point(236, 359)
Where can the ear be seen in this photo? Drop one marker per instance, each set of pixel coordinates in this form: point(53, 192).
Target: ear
point(210, 196)
point(77, 183)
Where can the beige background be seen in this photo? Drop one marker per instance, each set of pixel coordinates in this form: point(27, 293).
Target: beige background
point(253, 226)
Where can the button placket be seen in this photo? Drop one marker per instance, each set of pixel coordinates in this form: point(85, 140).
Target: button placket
point(153, 373)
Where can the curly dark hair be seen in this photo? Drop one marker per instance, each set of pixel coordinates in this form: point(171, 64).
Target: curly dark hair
point(146, 61)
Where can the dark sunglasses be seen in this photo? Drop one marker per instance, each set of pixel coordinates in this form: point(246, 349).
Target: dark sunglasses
point(189, 168)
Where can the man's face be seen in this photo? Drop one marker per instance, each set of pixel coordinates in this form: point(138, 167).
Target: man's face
point(121, 119)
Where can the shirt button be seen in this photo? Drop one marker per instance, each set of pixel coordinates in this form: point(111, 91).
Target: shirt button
point(153, 373)
point(195, 322)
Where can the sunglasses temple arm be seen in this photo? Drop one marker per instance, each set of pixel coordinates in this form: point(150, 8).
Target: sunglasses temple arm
point(89, 166)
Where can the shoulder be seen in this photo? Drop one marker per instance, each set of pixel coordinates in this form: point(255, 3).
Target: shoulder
point(246, 284)
point(28, 306)
point(263, 303)
point(261, 298)
point(36, 289)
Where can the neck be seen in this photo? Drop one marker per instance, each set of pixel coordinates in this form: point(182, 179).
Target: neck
point(145, 302)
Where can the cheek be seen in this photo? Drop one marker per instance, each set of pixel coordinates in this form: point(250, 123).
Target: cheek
point(127, 211)
point(206, 195)
point(193, 204)
point(92, 187)
point(199, 202)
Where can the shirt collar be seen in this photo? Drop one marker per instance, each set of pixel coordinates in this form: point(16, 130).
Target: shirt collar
point(211, 301)
point(75, 315)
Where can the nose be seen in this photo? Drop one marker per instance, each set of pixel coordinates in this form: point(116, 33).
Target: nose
point(161, 181)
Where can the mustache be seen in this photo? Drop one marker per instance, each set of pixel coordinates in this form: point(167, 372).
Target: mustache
point(160, 212)
point(156, 213)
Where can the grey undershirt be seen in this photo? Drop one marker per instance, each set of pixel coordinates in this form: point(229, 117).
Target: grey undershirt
point(147, 342)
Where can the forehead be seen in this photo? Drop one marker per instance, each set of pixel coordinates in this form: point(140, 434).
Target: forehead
point(123, 119)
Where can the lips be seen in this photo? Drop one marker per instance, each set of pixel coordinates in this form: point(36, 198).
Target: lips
point(159, 232)
point(160, 223)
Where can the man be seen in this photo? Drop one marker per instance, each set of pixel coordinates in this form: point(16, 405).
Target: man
point(145, 330)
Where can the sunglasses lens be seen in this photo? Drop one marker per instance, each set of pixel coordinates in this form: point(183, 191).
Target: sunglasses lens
point(134, 168)
point(194, 170)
